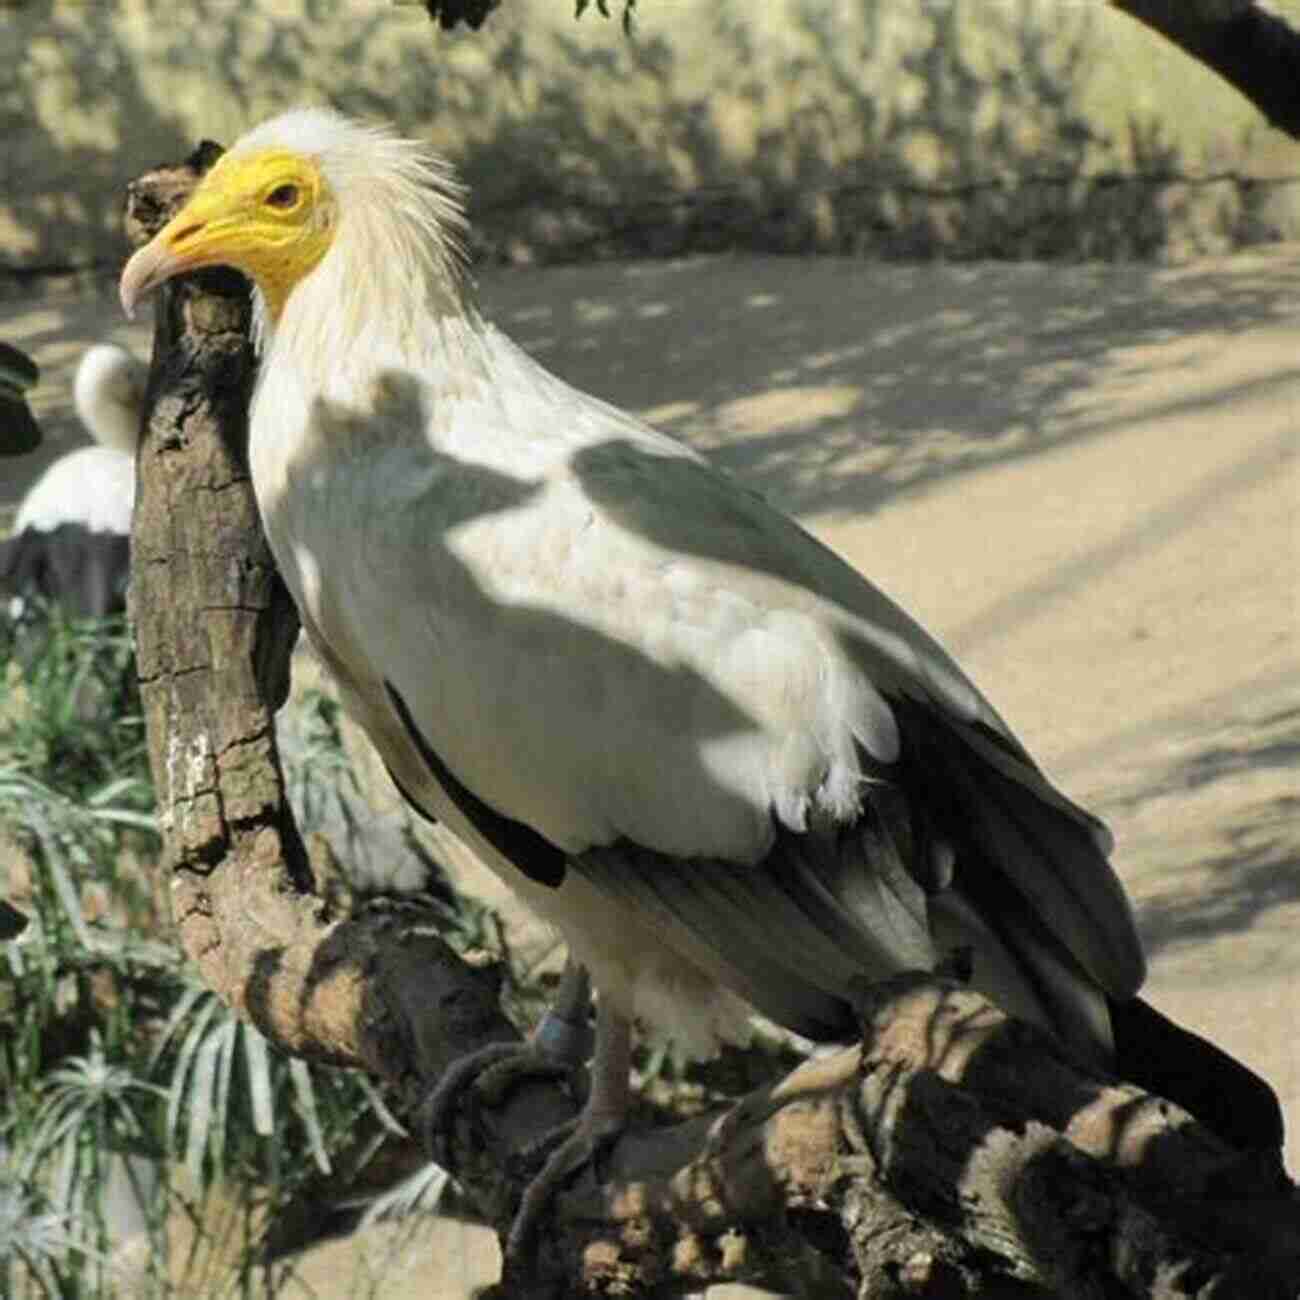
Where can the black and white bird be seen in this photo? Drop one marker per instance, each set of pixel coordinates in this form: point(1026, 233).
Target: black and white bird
point(70, 543)
point(729, 770)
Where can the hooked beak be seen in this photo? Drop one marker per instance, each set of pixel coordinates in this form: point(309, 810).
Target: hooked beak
point(185, 243)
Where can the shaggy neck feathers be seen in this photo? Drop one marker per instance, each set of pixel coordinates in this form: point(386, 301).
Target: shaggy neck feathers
point(395, 267)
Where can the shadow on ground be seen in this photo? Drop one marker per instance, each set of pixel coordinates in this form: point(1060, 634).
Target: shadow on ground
point(1250, 868)
point(842, 386)
point(1258, 874)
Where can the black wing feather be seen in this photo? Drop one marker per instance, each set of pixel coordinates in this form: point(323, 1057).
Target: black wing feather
point(534, 855)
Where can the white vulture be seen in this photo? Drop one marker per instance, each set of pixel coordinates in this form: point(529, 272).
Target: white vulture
point(727, 768)
point(71, 537)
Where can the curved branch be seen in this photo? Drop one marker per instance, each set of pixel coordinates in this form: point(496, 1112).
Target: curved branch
point(1254, 51)
point(954, 1153)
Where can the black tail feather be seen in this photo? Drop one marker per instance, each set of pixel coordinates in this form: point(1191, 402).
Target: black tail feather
point(1009, 824)
point(1227, 1097)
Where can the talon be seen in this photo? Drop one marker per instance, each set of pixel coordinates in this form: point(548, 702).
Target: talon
point(601, 1122)
point(498, 1077)
point(559, 1046)
point(439, 1111)
point(538, 1152)
point(580, 1148)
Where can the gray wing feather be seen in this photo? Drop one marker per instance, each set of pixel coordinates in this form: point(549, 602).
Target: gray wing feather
point(794, 932)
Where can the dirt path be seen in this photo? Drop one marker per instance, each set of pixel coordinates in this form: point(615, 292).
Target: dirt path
point(1084, 480)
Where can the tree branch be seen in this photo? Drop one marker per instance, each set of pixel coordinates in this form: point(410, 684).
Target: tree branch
point(1253, 50)
point(955, 1153)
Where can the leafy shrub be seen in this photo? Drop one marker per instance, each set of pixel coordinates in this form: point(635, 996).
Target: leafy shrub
point(130, 1096)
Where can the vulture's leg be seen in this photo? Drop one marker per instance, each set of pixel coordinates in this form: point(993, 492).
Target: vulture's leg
point(603, 1118)
point(564, 1032)
point(559, 1045)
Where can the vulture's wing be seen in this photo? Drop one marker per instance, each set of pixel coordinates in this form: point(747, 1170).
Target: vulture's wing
point(598, 637)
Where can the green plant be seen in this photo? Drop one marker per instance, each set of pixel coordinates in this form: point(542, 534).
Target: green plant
point(124, 1082)
point(36, 1244)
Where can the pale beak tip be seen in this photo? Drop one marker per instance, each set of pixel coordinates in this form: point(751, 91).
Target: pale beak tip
point(128, 290)
point(144, 271)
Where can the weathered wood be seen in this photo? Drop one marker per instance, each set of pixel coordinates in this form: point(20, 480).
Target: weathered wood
point(954, 1153)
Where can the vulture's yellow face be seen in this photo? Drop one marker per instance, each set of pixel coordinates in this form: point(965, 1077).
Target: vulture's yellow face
point(269, 215)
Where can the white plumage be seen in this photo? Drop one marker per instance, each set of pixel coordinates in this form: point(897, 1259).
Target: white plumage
point(728, 769)
point(108, 393)
point(70, 535)
point(599, 635)
point(94, 487)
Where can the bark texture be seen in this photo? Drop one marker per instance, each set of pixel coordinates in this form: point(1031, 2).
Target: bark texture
point(953, 1153)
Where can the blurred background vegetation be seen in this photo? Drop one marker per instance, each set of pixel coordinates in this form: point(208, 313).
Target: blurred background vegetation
point(152, 1144)
point(940, 128)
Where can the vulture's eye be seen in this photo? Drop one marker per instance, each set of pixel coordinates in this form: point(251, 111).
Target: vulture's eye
point(283, 197)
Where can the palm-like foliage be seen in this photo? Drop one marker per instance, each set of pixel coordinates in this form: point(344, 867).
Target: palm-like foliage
point(127, 1089)
point(36, 1244)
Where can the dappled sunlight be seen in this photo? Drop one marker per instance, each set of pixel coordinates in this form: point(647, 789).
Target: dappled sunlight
point(1214, 816)
point(957, 129)
point(1110, 551)
point(1077, 476)
point(832, 386)
point(1247, 879)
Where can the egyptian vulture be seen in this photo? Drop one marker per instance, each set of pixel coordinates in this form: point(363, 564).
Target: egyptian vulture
point(728, 769)
point(72, 534)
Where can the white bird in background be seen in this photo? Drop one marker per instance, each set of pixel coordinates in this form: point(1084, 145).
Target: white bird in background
point(71, 537)
point(108, 393)
point(730, 770)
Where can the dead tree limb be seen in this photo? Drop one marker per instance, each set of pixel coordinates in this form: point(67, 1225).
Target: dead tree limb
point(954, 1153)
point(1254, 50)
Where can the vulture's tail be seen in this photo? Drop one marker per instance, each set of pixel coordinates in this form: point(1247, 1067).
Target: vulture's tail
point(1227, 1097)
point(1051, 931)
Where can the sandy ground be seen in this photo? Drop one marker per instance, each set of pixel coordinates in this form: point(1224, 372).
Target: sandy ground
point(1084, 480)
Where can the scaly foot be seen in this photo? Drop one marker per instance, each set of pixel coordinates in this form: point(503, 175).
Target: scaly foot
point(602, 1120)
point(559, 1046)
point(576, 1145)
